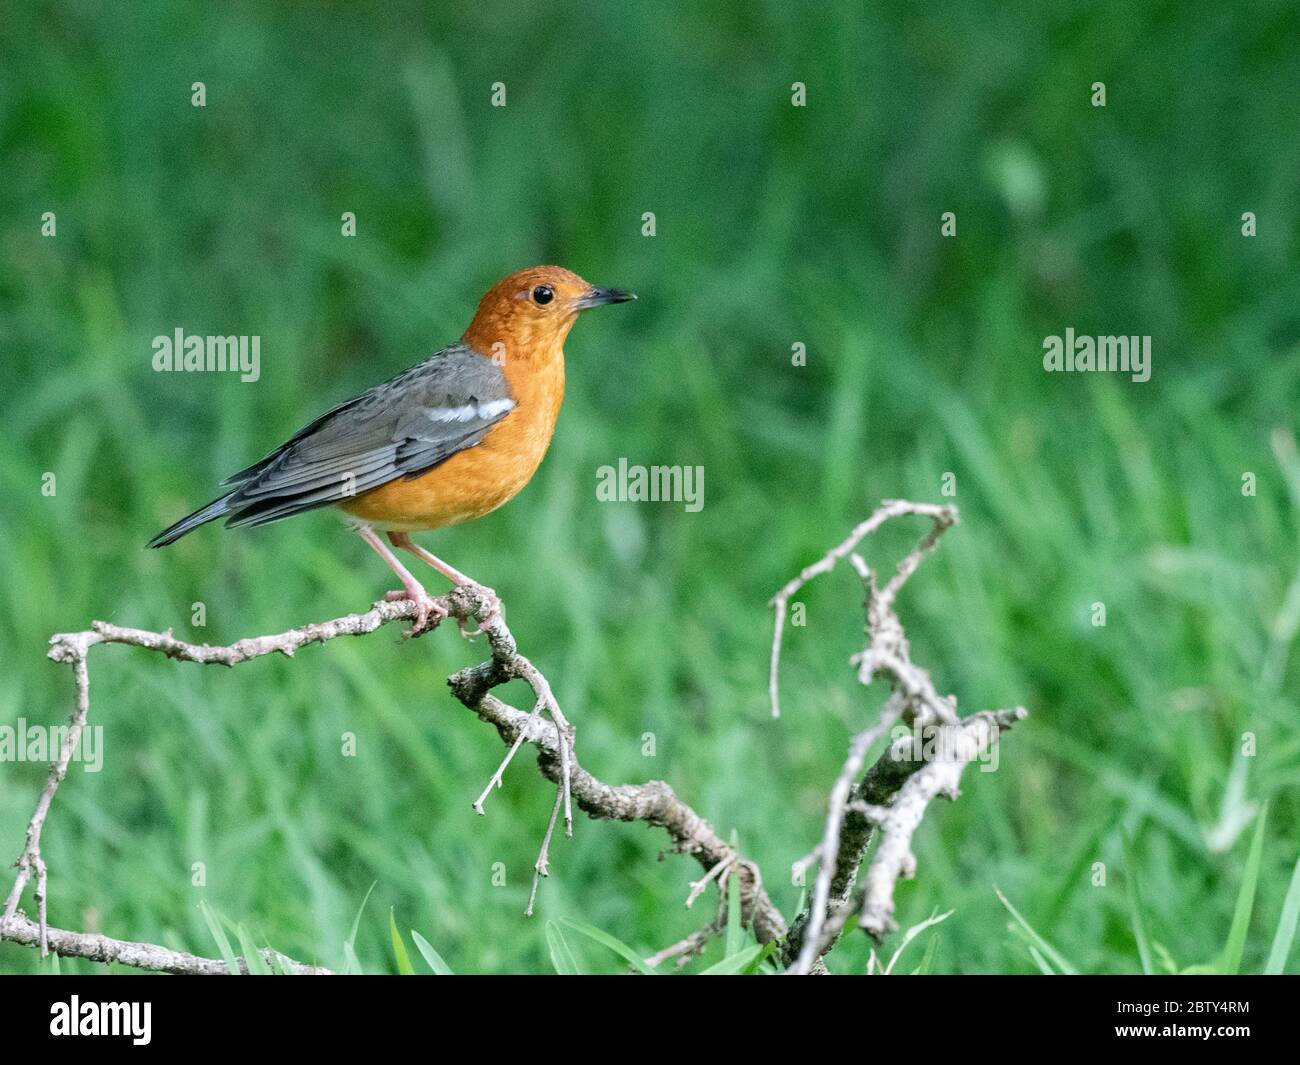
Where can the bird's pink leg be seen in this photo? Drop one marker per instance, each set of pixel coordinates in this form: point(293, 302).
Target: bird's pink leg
point(404, 541)
point(426, 606)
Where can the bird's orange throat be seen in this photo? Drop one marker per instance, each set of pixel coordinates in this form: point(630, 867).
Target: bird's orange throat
point(517, 340)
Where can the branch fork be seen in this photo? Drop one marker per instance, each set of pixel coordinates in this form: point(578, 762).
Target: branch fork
point(890, 798)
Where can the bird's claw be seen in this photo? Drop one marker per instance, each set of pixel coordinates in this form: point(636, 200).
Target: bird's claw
point(429, 613)
point(494, 610)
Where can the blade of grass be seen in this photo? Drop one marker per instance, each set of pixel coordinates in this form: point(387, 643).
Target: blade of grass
point(927, 959)
point(403, 959)
point(1285, 935)
point(278, 968)
point(252, 956)
point(736, 963)
point(606, 940)
point(440, 967)
point(1044, 947)
point(755, 966)
point(353, 965)
point(561, 953)
point(1134, 893)
point(430, 956)
point(356, 921)
point(912, 933)
point(1230, 959)
point(735, 933)
point(219, 934)
point(1167, 962)
point(1036, 955)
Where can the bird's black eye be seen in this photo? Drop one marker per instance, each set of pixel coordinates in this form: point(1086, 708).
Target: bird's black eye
point(542, 295)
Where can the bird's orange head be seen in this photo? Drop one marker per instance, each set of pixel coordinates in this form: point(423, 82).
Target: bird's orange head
point(528, 314)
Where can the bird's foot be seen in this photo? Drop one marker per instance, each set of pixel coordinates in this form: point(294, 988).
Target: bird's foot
point(489, 599)
point(429, 613)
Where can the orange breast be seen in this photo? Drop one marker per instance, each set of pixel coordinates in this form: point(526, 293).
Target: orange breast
point(476, 481)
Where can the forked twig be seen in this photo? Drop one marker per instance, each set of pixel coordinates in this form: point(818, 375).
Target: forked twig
point(892, 797)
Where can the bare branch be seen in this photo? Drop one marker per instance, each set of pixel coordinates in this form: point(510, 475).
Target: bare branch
point(93, 947)
point(30, 861)
point(654, 803)
point(938, 777)
point(73, 649)
point(893, 795)
point(890, 799)
point(839, 801)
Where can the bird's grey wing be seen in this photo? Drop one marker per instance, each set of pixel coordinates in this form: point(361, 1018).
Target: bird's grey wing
point(402, 428)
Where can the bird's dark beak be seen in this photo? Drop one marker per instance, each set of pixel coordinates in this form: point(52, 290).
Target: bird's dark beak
point(598, 297)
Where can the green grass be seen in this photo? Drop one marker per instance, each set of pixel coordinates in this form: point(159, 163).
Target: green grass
point(775, 225)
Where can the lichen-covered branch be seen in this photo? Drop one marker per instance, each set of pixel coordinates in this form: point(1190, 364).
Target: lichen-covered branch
point(892, 796)
point(94, 947)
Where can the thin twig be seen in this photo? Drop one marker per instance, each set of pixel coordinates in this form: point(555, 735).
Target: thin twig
point(691, 946)
point(718, 873)
point(943, 516)
point(541, 867)
point(496, 779)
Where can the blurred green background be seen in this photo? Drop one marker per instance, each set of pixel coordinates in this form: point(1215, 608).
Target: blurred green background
point(775, 225)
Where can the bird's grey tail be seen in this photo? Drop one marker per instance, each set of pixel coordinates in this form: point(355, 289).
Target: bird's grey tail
point(172, 533)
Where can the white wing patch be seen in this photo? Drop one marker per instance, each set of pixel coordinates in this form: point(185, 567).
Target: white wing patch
point(471, 411)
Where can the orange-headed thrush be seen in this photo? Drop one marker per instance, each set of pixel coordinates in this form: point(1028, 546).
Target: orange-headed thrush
point(446, 441)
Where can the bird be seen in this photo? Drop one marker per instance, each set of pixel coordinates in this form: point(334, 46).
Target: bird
point(444, 442)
